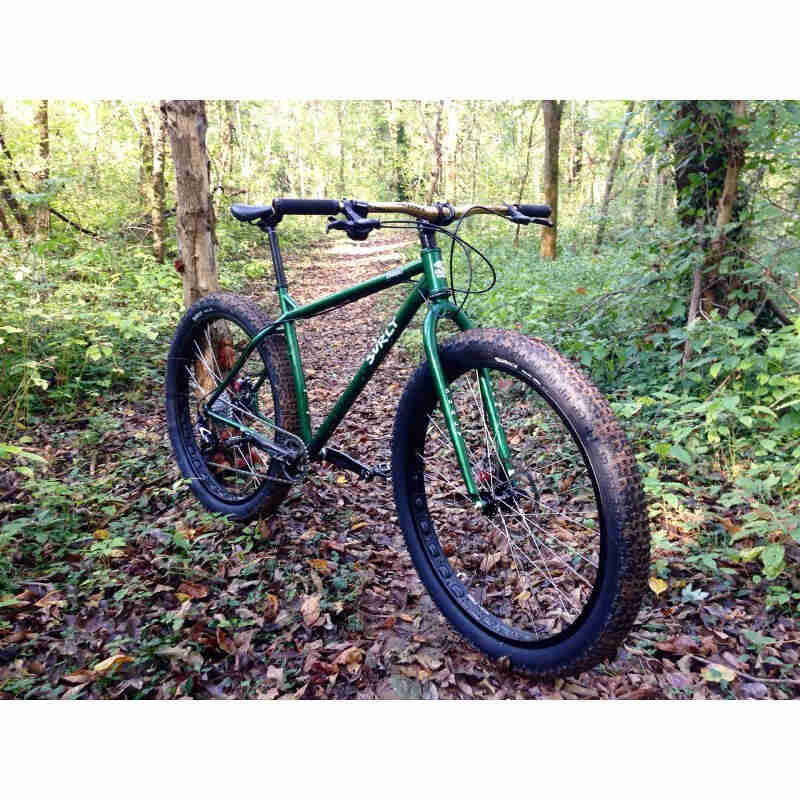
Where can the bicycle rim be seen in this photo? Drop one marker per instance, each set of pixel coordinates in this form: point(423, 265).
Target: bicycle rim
point(528, 567)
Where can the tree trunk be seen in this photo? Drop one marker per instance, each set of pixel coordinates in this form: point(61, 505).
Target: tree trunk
point(340, 118)
point(158, 207)
point(17, 212)
point(551, 111)
point(527, 170)
point(146, 159)
point(476, 133)
point(435, 138)
point(186, 125)
point(228, 140)
point(451, 140)
point(578, 130)
point(708, 156)
point(612, 172)
point(7, 229)
point(43, 174)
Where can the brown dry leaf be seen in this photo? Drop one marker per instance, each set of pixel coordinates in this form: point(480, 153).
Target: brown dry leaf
point(271, 606)
point(185, 530)
point(80, 676)
point(679, 645)
point(51, 599)
point(320, 565)
point(714, 673)
point(352, 658)
point(224, 641)
point(194, 590)
point(109, 663)
point(489, 560)
point(310, 609)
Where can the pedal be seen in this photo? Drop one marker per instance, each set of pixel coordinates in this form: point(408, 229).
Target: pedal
point(382, 471)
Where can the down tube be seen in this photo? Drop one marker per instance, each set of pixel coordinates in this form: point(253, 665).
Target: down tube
point(374, 359)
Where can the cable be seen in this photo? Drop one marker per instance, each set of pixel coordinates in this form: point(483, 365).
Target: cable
point(466, 247)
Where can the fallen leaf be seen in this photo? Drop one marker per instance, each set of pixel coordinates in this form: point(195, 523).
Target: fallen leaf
point(714, 673)
point(341, 479)
point(657, 585)
point(275, 674)
point(358, 526)
point(352, 658)
point(310, 609)
point(100, 533)
point(320, 565)
point(271, 606)
point(489, 560)
point(194, 590)
point(109, 663)
point(224, 641)
point(80, 676)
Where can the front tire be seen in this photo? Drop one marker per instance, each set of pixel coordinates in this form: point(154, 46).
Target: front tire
point(553, 575)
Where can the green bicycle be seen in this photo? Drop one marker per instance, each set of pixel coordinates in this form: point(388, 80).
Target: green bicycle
point(518, 495)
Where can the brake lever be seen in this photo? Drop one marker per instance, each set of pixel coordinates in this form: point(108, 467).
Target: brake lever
point(356, 226)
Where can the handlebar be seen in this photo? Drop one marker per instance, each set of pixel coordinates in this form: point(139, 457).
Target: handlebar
point(441, 214)
point(287, 205)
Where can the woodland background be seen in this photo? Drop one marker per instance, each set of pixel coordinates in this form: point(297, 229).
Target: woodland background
point(671, 277)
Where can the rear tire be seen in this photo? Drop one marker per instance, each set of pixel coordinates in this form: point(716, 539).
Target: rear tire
point(227, 475)
point(552, 578)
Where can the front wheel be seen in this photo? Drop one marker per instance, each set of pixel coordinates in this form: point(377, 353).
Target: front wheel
point(550, 573)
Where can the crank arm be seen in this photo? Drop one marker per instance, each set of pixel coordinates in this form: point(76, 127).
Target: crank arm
point(344, 461)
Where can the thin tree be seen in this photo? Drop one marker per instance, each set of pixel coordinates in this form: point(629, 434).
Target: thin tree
point(551, 112)
point(158, 205)
point(612, 172)
point(527, 169)
point(43, 174)
point(435, 138)
point(735, 147)
point(186, 126)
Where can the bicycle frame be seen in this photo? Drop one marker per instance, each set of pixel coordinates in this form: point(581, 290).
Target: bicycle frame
point(431, 289)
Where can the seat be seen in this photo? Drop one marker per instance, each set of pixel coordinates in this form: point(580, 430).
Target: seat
point(249, 213)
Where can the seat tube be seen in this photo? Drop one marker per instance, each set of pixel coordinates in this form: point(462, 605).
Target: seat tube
point(292, 346)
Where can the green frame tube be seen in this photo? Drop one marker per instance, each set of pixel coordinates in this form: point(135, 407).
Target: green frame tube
point(431, 289)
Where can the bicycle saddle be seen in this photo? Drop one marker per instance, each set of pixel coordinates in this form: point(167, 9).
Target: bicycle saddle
point(249, 213)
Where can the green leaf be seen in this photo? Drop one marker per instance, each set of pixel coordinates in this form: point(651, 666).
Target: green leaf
point(676, 451)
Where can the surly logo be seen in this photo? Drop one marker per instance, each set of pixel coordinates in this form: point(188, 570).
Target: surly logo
point(381, 343)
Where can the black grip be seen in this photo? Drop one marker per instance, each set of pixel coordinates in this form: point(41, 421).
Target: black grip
point(535, 211)
point(296, 205)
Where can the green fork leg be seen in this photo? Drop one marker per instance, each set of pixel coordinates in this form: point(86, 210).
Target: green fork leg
point(446, 309)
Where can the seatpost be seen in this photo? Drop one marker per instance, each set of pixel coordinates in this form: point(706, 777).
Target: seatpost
point(277, 261)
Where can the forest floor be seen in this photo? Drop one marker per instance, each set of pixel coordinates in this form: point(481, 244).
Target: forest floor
point(153, 598)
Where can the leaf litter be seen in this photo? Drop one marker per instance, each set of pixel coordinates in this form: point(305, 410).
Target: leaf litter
point(321, 599)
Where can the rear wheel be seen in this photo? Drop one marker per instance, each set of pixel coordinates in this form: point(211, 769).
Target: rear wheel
point(550, 574)
point(228, 472)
